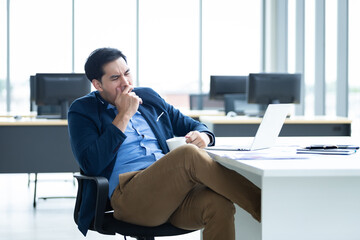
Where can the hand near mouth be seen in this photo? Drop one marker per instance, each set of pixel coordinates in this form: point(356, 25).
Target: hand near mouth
point(127, 103)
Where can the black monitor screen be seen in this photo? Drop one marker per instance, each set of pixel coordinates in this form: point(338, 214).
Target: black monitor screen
point(266, 88)
point(221, 85)
point(60, 89)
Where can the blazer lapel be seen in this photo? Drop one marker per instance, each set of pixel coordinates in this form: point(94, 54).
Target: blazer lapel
point(151, 120)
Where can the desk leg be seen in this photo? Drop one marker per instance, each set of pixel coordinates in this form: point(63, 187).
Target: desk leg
point(35, 185)
point(29, 180)
point(318, 208)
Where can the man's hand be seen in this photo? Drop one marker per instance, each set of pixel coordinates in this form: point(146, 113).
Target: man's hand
point(197, 138)
point(127, 103)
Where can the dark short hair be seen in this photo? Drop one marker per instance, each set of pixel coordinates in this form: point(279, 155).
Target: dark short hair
point(98, 58)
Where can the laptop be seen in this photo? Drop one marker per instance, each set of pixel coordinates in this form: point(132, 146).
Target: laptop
point(267, 132)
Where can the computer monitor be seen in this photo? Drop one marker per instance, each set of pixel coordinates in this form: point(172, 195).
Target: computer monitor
point(221, 85)
point(44, 111)
point(266, 88)
point(60, 89)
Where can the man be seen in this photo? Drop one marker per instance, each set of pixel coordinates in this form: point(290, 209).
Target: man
point(120, 132)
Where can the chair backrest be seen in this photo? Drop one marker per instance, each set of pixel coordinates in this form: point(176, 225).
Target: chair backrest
point(78, 201)
point(102, 201)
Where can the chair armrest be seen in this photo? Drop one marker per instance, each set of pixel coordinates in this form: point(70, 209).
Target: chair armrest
point(102, 190)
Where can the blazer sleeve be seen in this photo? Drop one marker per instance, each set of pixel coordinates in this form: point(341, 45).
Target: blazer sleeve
point(93, 142)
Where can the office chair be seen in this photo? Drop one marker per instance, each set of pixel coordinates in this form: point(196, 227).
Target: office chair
point(105, 223)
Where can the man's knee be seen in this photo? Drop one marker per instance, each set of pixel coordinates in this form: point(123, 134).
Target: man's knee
point(188, 149)
point(193, 154)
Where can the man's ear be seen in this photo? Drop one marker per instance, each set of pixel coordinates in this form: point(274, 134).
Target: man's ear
point(97, 84)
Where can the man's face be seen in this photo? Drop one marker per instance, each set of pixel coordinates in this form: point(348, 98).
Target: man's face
point(117, 75)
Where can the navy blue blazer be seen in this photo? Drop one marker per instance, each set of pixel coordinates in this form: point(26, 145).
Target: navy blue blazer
point(95, 140)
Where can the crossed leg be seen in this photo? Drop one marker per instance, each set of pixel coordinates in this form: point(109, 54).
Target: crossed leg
point(182, 181)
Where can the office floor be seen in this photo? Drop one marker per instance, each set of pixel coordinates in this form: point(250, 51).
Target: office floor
point(53, 218)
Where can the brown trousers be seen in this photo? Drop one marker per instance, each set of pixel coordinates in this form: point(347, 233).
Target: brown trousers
point(188, 189)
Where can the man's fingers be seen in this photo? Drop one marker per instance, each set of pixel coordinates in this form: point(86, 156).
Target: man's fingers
point(197, 142)
point(196, 138)
point(135, 96)
point(189, 137)
point(193, 138)
point(127, 89)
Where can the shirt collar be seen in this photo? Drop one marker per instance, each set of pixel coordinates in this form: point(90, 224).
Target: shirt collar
point(110, 106)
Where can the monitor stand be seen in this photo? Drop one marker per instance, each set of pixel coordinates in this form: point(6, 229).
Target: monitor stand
point(64, 109)
point(260, 112)
point(263, 107)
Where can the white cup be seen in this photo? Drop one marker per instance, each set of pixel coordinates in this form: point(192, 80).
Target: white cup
point(175, 142)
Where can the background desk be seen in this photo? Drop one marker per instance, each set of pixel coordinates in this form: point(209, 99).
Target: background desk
point(35, 146)
point(313, 199)
point(223, 126)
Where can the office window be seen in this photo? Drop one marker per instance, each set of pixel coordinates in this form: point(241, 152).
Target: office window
point(309, 75)
point(107, 23)
point(40, 33)
point(330, 53)
point(291, 35)
point(168, 47)
point(3, 63)
point(331, 18)
point(354, 59)
point(231, 38)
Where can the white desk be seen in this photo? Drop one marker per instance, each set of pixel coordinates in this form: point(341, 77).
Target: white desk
point(316, 198)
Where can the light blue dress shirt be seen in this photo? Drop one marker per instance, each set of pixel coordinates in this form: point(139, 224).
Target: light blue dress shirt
point(139, 150)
